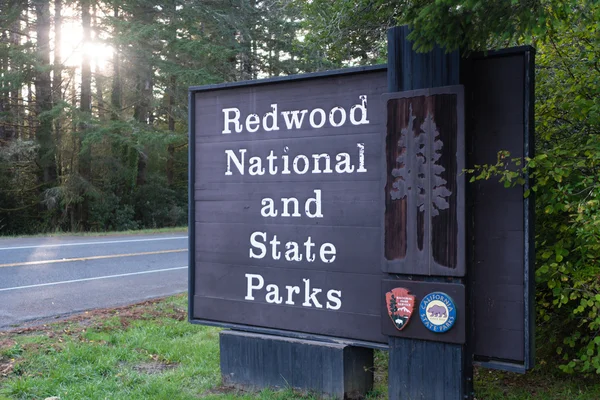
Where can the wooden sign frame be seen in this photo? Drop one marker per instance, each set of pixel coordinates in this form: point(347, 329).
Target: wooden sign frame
point(361, 289)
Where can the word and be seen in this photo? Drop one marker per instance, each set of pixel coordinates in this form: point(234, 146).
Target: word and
point(269, 210)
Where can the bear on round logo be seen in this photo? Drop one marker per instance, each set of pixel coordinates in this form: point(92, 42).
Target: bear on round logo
point(438, 312)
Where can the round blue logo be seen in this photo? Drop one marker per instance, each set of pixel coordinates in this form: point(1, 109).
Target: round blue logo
point(438, 312)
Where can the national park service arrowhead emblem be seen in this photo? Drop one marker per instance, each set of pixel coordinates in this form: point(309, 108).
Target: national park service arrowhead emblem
point(400, 305)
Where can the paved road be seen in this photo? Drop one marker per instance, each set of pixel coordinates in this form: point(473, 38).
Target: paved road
point(47, 277)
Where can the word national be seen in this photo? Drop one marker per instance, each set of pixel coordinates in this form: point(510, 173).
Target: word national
point(300, 164)
point(294, 119)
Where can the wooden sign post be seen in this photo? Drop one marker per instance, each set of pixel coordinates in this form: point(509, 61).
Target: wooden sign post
point(425, 223)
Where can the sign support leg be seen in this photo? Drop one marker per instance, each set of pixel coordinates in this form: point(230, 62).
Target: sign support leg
point(422, 369)
point(258, 361)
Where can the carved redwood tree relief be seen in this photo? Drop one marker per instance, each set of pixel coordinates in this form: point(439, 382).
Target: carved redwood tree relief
point(424, 216)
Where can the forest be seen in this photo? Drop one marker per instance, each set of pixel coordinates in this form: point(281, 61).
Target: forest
point(93, 114)
point(93, 102)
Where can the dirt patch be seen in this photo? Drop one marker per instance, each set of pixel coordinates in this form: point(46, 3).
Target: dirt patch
point(6, 367)
point(221, 390)
point(152, 368)
point(6, 343)
point(145, 310)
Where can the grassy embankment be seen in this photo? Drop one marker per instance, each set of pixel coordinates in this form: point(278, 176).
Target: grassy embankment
point(150, 351)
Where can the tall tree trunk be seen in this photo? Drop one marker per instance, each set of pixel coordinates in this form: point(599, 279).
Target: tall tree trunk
point(98, 77)
point(171, 120)
point(116, 90)
point(15, 90)
point(5, 129)
point(142, 112)
point(57, 80)
point(30, 113)
point(43, 94)
point(85, 106)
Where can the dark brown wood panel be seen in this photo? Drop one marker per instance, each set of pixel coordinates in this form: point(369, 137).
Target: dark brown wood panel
point(342, 325)
point(229, 281)
point(500, 273)
point(357, 249)
point(323, 93)
point(213, 159)
point(240, 233)
point(424, 217)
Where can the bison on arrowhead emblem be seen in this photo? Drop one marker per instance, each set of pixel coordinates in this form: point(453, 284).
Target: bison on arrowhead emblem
point(400, 304)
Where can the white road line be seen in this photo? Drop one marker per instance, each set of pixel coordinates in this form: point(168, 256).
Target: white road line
point(91, 279)
point(92, 243)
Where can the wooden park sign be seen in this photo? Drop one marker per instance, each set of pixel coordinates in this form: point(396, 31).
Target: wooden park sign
point(288, 206)
point(323, 207)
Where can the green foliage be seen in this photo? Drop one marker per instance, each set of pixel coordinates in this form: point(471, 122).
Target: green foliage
point(567, 190)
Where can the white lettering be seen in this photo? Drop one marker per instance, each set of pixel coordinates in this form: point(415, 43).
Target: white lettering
point(327, 249)
point(336, 300)
point(255, 167)
point(343, 165)
point(363, 112)
point(361, 157)
point(227, 120)
point(316, 168)
point(273, 294)
point(232, 157)
point(252, 123)
point(292, 253)
point(273, 116)
point(342, 116)
point(294, 122)
point(290, 292)
point(311, 118)
point(268, 209)
point(308, 245)
point(259, 245)
point(275, 253)
point(312, 296)
point(250, 287)
point(306, 164)
point(317, 202)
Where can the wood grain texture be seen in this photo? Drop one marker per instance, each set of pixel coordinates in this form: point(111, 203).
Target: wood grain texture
point(424, 218)
point(424, 376)
point(497, 122)
point(337, 371)
point(229, 208)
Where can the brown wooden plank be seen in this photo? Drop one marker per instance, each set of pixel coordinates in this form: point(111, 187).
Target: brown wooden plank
point(229, 282)
point(211, 160)
point(357, 248)
point(325, 94)
point(497, 123)
point(341, 325)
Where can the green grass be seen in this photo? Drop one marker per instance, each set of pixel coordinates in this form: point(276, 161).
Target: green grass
point(150, 351)
point(115, 233)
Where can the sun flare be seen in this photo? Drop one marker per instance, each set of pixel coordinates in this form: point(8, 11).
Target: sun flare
point(72, 46)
